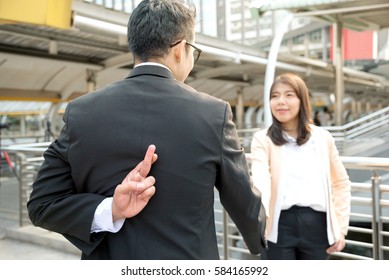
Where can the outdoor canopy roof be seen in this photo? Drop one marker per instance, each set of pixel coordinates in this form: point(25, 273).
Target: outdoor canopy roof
point(358, 15)
point(40, 63)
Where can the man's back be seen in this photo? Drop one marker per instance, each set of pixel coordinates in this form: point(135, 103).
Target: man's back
point(189, 131)
point(78, 190)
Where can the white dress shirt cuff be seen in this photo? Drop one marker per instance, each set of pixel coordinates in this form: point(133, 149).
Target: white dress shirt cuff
point(102, 220)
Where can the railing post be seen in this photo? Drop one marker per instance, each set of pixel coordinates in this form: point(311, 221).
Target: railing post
point(26, 174)
point(225, 234)
point(20, 162)
point(376, 221)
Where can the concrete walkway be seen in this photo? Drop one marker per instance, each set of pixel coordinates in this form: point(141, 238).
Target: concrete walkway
point(32, 243)
point(27, 242)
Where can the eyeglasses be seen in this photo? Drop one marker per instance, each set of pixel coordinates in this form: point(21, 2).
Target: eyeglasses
point(196, 53)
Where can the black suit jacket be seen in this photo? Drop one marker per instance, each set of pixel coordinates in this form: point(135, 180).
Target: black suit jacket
point(106, 133)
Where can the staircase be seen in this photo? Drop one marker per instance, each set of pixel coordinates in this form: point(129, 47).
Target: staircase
point(367, 136)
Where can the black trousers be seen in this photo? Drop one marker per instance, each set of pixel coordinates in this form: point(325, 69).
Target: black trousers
point(302, 235)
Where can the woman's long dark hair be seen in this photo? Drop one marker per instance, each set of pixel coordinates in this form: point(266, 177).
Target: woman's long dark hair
point(275, 131)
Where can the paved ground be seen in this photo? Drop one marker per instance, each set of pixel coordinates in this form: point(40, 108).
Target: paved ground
point(31, 243)
point(28, 242)
point(11, 249)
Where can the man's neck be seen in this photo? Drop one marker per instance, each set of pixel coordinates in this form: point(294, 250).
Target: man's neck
point(152, 63)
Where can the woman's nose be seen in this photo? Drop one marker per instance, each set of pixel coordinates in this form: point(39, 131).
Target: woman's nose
point(281, 99)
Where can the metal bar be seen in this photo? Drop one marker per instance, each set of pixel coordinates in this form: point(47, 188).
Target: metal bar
point(21, 179)
point(374, 222)
point(225, 234)
point(385, 248)
point(361, 230)
point(351, 256)
point(379, 221)
point(359, 243)
point(366, 163)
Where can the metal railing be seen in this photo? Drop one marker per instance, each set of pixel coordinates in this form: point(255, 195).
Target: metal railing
point(28, 158)
point(369, 228)
point(368, 236)
point(365, 130)
point(28, 168)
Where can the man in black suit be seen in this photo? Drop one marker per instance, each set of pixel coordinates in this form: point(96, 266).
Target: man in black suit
point(106, 134)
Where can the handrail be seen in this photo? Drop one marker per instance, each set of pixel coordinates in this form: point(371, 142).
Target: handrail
point(30, 148)
point(363, 126)
point(365, 118)
point(371, 163)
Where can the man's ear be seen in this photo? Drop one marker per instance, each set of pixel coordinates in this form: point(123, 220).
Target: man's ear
point(179, 50)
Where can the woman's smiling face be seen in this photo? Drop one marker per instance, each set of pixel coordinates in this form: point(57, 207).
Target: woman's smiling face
point(285, 104)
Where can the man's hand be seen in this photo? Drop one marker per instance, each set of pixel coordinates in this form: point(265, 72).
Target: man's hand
point(135, 191)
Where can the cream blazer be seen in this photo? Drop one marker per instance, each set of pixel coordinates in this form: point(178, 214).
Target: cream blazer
point(266, 170)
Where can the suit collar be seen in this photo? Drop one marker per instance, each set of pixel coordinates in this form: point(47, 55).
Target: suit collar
point(154, 70)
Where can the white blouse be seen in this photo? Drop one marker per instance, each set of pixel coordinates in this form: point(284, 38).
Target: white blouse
point(301, 182)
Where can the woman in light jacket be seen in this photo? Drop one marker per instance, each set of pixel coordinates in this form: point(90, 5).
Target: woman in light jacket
point(305, 187)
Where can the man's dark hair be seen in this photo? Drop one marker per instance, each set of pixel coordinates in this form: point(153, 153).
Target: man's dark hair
point(155, 25)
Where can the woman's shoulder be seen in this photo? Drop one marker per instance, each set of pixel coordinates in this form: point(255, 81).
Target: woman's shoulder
point(261, 133)
point(321, 132)
point(261, 136)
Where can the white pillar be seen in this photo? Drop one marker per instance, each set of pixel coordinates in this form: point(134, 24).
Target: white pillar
point(239, 109)
point(271, 66)
point(23, 128)
point(338, 60)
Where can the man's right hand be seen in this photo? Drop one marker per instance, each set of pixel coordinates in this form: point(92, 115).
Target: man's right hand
point(135, 191)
